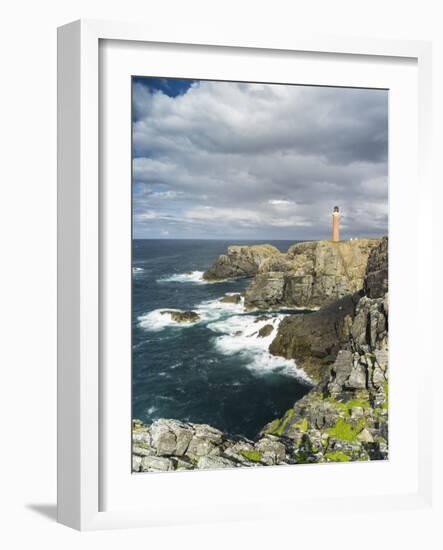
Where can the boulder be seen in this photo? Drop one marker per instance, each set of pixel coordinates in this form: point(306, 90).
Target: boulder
point(156, 464)
point(214, 463)
point(357, 378)
point(231, 299)
point(265, 331)
point(182, 316)
point(162, 438)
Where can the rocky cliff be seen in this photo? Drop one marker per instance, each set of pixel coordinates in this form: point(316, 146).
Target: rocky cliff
point(343, 346)
point(356, 322)
point(240, 261)
point(310, 274)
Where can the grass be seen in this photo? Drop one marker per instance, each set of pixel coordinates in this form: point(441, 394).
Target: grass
point(350, 404)
point(304, 425)
point(338, 456)
point(345, 431)
point(253, 456)
point(281, 425)
point(386, 389)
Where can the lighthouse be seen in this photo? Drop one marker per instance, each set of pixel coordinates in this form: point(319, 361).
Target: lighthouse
point(336, 224)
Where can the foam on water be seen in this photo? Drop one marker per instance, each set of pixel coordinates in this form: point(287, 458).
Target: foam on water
point(193, 277)
point(136, 270)
point(210, 310)
point(157, 320)
point(239, 335)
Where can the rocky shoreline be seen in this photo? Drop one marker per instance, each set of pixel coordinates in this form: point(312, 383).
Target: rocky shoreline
point(343, 347)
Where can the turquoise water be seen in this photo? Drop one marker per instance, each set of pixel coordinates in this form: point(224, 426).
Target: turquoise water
point(215, 371)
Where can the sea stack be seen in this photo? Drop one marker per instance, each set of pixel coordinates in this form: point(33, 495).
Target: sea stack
point(336, 224)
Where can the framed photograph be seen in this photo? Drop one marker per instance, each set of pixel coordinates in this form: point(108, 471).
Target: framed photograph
point(239, 225)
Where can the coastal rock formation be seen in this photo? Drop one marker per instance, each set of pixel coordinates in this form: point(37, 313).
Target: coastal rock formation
point(343, 419)
point(168, 445)
point(376, 280)
point(343, 347)
point(310, 274)
point(240, 261)
point(181, 316)
point(231, 299)
point(314, 339)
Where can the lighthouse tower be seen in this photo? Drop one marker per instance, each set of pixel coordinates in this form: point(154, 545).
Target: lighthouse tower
point(336, 224)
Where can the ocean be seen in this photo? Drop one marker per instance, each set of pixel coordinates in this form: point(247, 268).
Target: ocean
point(216, 370)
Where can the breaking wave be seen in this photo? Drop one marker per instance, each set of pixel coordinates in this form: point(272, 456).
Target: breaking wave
point(157, 320)
point(239, 334)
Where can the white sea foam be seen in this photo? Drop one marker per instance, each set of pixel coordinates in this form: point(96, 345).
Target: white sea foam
point(137, 270)
point(157, 320)
point(212, 310)
point(192, 277)
point(239, 335)
point(195, 277)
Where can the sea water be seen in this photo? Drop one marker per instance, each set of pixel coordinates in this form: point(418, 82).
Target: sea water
point(215, 370)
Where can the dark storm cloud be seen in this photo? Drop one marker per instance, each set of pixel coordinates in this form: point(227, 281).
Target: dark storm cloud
point(259, 161)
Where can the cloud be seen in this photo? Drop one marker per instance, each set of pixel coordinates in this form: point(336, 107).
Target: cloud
point(280, 202)
point(259, 161)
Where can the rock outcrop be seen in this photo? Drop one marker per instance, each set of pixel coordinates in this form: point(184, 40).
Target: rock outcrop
point(310, 274)
point(356, 322)
point(181, 316)
point(376, 280)
point(314, 339)
point(231, 299)
point(168, 445)
point(343, 346)
point(240, 261)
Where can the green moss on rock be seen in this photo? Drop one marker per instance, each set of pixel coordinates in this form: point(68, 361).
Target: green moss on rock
point(253, 456)
point(337, 456)
point(346, 431)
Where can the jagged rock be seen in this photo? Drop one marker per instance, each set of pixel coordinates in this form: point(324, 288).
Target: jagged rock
point(343, 346)
point(357, 378)
point(156, 463)
point(231, 299)
point(273, 451)
point(310, 274)
point(365, 436)
point(136, 463)
point(199, 447)
point(376, 278)
point(314, 339)
point(240, 261)
point(163, 439)
point(215, 463)
point(369, 327)
point(340, 371)
point(265, 331)
point(265, 291)
point(357, 413)
point(378, 377)
point(143, 451)
point(182, 316)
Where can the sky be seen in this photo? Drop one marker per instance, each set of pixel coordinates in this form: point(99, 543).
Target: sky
point(231, 160)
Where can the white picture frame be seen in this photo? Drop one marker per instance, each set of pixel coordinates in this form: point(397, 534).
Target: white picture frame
point(81, 412)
